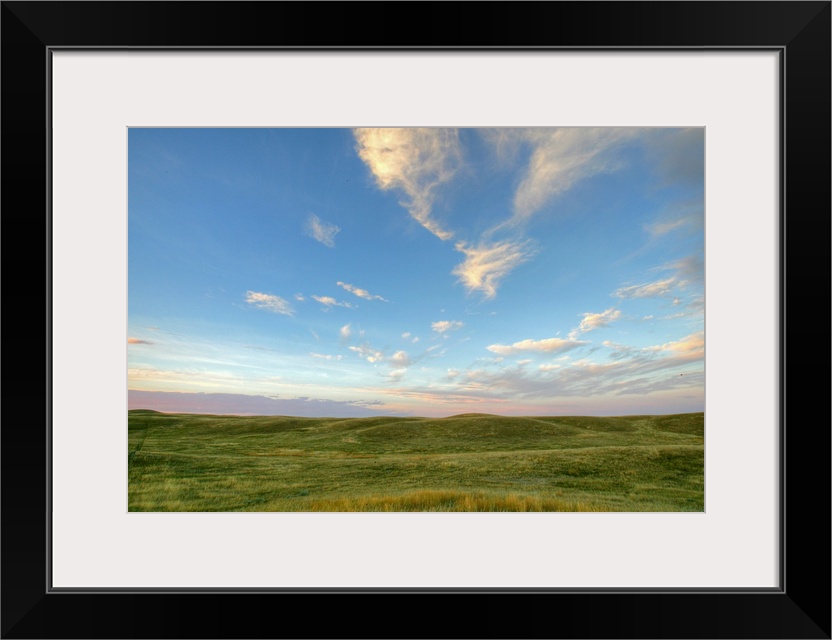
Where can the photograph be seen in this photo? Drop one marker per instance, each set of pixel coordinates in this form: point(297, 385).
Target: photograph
point(351, 297)
point(416, 319)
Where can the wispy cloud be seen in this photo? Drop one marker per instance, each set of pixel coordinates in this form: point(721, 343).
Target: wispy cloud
point(399, 359)
point(396, 375)
point(646, 290)
point(560, 158)
point(368, 353)
point(361, 293)
point(322, 231)
point(299, 297)
point(487, 264)
point(689, 270)
point(675, 365)
point(689, 274)
point(441, 326)
point(323, 356)
point(664, 227)
point(138, 341)
point(549, 367)
point(416, 161)
point(345, 331)
point(547, 345)
point(592, 321)
point(275, 304)
point(329, 302)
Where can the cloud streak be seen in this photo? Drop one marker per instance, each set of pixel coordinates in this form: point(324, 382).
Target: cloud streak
point(322, 231)
point(487, 264)
point(592, 321)
point(361, 293)
point(654, 289)
point(547, 345)
point(560, 158)
point(329, 302)
point(416, 161)
point(268, 302)
point(138, 341)
point(442, 326)
point(368, 353)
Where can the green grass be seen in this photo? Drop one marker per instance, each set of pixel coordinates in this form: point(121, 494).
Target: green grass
point(470, 462)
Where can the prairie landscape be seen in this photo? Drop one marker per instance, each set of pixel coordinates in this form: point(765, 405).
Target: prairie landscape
point(467, 462)
point(416, 318)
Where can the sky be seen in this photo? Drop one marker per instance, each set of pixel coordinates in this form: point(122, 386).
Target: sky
point(416, 271)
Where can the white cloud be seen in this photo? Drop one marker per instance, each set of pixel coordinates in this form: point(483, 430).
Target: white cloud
point(275, 304)
point(299, 297)
point(523, 363)
point(441, 326)
point(323, 356)
point(547, 345)
point(406, 335)
point(549, 367)
point(332, 302)
point(415, 160)
point(486, 265)
point(658, 229)
point(560, 158)
point(345, 331)
point(646, 290)
point(396, 375)
point(368, 353)
point(361, 293)
point(400, 359)
point(322, 231)
point(592, 321)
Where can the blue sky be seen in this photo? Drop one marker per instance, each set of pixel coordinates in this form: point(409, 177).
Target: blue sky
point(339, 272)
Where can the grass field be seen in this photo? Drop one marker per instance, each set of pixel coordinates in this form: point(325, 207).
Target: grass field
point(470, 462)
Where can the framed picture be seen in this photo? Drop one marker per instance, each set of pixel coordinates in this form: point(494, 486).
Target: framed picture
point(83, 84)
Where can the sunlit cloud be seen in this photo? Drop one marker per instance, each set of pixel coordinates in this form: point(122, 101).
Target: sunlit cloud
point(441, 326)
point(138, 341)
point(592, 321)
point(328, 302)
point(361, 293)
point(689, 270)
point(414, 160)
point(487, 264)
point(345, 331)
point(547, 345)
point(647, 290)
point(368, 353)
point(560, 158)
point(268, 302)
point(399, 359)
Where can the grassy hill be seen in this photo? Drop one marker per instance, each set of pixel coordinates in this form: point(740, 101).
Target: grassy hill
point(469, 462)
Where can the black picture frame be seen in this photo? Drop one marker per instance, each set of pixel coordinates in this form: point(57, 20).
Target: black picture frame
point(799, 608)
